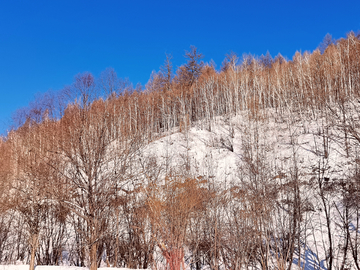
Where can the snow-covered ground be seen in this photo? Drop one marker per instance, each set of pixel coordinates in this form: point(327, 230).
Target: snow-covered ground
point(46, 267)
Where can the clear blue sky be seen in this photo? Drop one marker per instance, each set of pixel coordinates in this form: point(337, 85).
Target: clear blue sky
point(43, 44)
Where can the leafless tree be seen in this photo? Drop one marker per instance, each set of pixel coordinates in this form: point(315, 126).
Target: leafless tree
point(96, 168)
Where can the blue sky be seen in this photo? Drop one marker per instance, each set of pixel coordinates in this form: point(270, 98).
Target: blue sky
point(44, 44)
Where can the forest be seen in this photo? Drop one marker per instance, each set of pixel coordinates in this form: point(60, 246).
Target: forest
point(252, 166)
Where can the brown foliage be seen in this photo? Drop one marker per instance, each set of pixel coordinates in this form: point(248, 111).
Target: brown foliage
point(171, 207)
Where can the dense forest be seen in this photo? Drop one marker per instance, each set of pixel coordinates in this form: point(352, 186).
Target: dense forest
point(82, 181)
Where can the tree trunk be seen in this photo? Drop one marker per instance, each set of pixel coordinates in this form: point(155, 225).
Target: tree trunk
point(174, 258)
point(117, 240)
point(93, 257)
point(34, 245)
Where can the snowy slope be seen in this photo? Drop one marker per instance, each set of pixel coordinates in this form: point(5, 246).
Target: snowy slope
point(311, 146)
point(222, 151)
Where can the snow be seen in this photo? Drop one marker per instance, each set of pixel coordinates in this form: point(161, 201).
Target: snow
point(14, 267)
point(218, 154)
point(47, 267)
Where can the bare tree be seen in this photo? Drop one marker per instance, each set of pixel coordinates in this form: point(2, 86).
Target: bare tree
point(171, 207)
point(327, 41)
point(96, 167)
point(111, 85)
point(5, 174)
point(34, 182)
point(191, 71)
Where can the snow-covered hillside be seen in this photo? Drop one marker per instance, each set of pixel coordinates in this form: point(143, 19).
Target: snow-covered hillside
point(280, 186)
point(280, 151)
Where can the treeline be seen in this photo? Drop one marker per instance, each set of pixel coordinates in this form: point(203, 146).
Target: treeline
point(77, 186)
